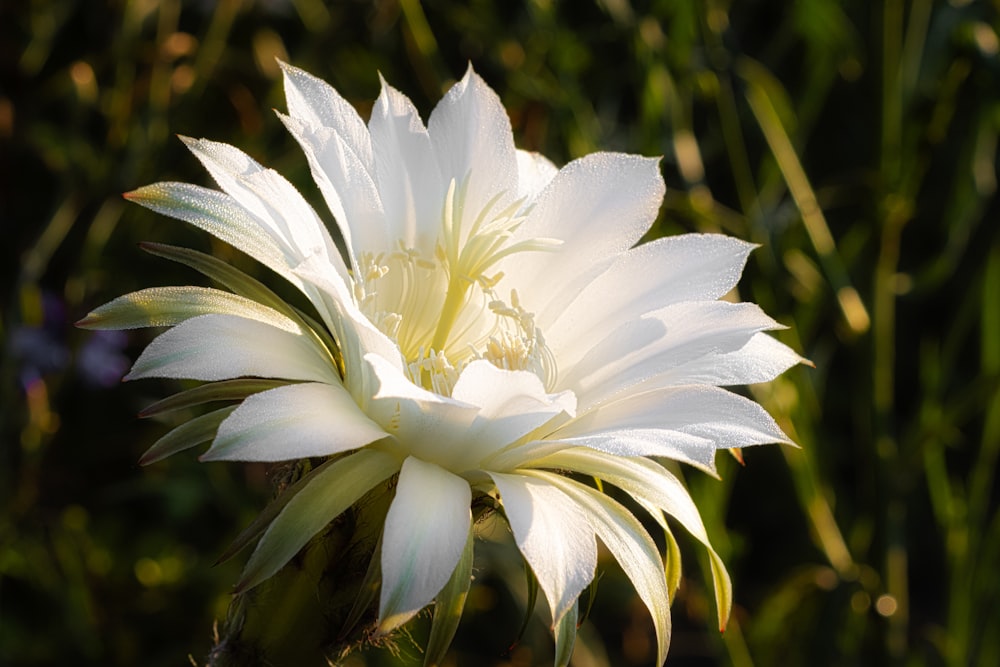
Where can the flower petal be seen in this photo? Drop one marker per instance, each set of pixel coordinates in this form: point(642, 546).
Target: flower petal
point(326, 496)
point(347, 186)
point(761, 360)
point(722, 419)
point(271, 200)
point(474, 146)
point(599, 205)
point(631, 546)
point(314, 101)
point(511, 404)
point(690, 267)
point(553, 533)
point(638, 350)
point(426, 530)
point(167, 306)
point(534, 172)
point(293, 422)
point(218, 214)
point(430, 426)
point(222, 347)
point(409, 182)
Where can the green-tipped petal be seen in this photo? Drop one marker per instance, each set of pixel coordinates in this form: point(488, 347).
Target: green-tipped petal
point(448, 607)
point(651, 484)
point(631, 546)
point(167, 306)
point(327, 495)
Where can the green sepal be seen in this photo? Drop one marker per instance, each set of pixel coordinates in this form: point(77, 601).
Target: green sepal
point(672, 563)
point(591, 597)
point(270, 511)
point(225, 274)
point(723, 588)
point(565, 634)
point(532, 583)
point(189, 434)
point(449, 605)
point(167, 306)
point(223, 390)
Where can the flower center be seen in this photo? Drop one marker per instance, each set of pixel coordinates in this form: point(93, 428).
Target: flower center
point(443, 310)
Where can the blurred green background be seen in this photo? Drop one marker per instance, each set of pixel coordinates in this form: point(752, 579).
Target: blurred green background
point(856, 141)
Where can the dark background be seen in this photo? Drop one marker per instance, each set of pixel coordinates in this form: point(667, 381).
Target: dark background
point(855, 140)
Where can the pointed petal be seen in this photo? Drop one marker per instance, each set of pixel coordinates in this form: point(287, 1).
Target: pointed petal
point(222, 347)
point(554, 535)
point(293, 422)
point(189, 434)
point(167, 306)
point(761, 360)
point(719, 416)
point(218, 214)
point(324, 498)
point(271, 200)
point(631, 546)
point(426, 530)
point(662, 341)
point(683, 447)
point(472, 139)
point(314, 101)
point(689, 267)
point(347, 185)
point(599, 205)
point(408, 178)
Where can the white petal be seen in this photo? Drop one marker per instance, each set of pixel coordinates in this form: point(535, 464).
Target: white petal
point(426, 529)
point(408, 179)
point(355, 334)
point(656, 344)
point(554, 535)
point(684, 447)
point(653, 486)
point(270, 199)
point(314, 101)
point(222, 347)
point(293, 422)
point(761, 360)
point(721, 417)
point(631, 546)
point(472, 139)
point(511, 404)
point(599, 205)
point(334, 487)
point(347, 186)
point(433, 427)
point(689, 267)
point(534, 171)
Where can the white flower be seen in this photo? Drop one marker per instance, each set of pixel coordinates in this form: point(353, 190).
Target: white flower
point(493, 328)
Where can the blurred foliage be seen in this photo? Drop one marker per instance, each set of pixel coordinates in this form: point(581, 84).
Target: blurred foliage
point(856, 141)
